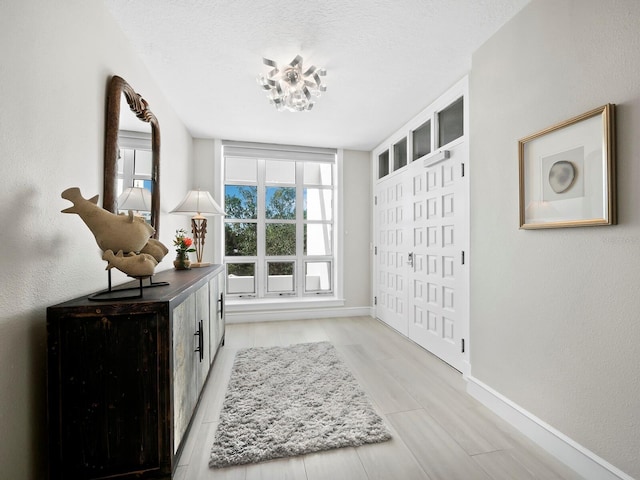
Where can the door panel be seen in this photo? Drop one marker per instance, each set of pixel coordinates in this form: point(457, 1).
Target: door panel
point(438, 279)
point(421, 231)
point(391, 215)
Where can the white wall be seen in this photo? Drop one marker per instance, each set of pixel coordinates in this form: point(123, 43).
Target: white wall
point(357, 210)
point(554, 324)
point(57, 58)
point(207, 176)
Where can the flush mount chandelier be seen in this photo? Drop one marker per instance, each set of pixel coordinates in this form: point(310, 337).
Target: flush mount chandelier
point(291, 87)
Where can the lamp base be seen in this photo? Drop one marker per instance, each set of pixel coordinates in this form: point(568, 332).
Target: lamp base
point(200, 264)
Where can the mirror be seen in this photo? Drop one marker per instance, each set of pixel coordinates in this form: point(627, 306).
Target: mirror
point(118, 127)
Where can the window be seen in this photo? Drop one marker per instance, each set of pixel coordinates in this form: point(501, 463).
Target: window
point(451, 122)
point(279, 228)
point(400, 154)
point(383, 164)
point(422, 140)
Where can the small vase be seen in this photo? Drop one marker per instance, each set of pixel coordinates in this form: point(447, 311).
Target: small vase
point(182, 261)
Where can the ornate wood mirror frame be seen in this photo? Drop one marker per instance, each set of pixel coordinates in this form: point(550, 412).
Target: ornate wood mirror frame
point(138, 105)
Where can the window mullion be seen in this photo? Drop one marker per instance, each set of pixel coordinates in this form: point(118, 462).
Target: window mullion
point(299, 229)
point(261, 268)
point(128, 162)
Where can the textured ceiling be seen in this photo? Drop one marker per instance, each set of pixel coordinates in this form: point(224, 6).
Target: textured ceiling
point(386, 60)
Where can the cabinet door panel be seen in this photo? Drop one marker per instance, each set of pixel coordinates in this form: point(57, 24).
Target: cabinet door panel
point(202, 315)
point(220, 317)
point(108, 395)
point(184, 367)
point(213, 318)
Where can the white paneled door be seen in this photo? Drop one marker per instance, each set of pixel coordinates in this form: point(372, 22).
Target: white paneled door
point(392, 199)
point(422, 237)
point(438, 278)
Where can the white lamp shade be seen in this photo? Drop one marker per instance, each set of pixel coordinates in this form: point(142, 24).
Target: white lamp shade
point(198, 202)
point(135, 198)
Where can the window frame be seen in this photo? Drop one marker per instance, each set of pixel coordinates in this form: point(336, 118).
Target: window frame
point(300, 156)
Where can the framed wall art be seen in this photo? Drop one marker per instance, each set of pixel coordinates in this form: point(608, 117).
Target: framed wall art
point(567, 173)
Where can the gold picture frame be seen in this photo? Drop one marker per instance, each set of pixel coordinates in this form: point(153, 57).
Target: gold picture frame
point(567, 173)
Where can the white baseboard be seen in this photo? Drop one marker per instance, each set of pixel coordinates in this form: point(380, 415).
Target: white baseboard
point(570, 452)
point(297, 314)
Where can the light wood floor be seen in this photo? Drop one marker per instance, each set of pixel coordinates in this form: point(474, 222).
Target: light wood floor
point(439, 431)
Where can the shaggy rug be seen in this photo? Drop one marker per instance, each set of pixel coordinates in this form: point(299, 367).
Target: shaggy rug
point(285, 401)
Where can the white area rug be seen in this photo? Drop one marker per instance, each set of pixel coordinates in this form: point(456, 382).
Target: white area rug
point(284, 401)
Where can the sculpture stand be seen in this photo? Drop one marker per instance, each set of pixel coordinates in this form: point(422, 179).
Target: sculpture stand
point(115, 294)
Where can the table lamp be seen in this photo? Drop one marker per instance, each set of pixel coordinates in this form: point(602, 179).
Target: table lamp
point(135, 198)
point(200, 204)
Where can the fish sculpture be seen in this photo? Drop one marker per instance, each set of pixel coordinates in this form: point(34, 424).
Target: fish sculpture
point(156, 249)
point(141, 265)
point(128, 233)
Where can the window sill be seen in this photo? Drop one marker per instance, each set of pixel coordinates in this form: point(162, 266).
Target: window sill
point(267, 304)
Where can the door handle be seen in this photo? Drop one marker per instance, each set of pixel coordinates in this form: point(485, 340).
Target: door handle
point(410, 259)
point(199, 334)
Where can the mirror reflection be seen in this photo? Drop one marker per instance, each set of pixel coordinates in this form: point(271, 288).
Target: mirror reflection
point(134, 170)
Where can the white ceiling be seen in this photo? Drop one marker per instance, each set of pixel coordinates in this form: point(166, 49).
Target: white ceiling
point(386, 61)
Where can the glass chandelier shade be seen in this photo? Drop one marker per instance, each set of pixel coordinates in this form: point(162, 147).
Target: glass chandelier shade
point(291, 87)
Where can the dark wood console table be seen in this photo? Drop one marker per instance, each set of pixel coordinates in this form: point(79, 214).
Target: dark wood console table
point(125, 376)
